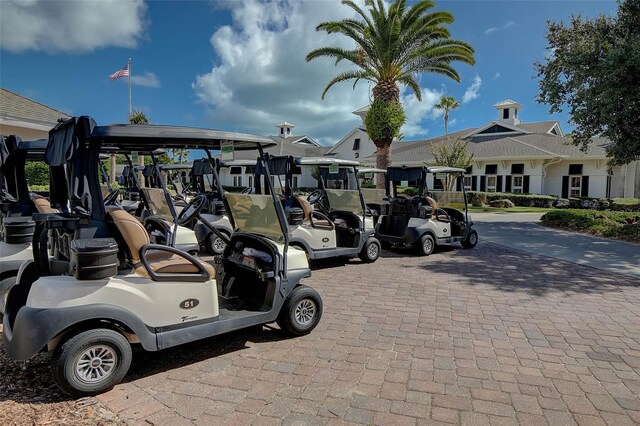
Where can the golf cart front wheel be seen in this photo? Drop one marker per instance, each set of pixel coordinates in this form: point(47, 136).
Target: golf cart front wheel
point(426, 245)
point(301, 311)
point(91, 362)
point(5, 287)
point(215, 244)
point(370, 251)
point(470, 241)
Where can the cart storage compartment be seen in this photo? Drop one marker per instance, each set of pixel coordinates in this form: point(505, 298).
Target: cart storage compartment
point(94, 259)
point(18, 230)
point(218, 208)
point(296, 215)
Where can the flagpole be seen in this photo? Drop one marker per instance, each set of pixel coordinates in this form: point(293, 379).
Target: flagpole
point(129, 86)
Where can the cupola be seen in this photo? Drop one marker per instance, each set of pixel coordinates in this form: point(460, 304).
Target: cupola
point(508, 111)
point(285, 129)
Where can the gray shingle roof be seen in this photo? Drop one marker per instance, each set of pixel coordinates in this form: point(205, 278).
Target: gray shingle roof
point(538, 144)
point(22, 108)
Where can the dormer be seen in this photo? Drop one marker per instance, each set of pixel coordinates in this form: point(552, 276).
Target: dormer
point(285, 129)
point(362, 113)
point(508, 112)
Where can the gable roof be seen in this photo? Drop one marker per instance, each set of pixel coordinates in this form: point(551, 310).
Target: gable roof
point(284, 146)
point(20, 108)
point(346, 137)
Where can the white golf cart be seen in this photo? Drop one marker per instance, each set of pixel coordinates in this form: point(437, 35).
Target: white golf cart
point(142, 294)
point(332, 220)
point(430, 218)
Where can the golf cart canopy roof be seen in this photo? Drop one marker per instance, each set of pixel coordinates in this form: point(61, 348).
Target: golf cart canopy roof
point(118, 150)
point(184, 166)
point(35, 149)
point(371, 170)
point(324, 161)
point(138, 137)
point(234, 163)
point(445, 170)
point(404, 173)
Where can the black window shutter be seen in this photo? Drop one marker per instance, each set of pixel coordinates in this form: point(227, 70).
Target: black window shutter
point(565, 186)
point(525, 184)
point(585, 186)
point(459, 183)
point(483, 183)
point(499, 184)
point(474, 183)
point(507, 184)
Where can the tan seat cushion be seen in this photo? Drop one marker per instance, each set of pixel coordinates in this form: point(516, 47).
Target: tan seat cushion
point(42, 204)
point(174, 265)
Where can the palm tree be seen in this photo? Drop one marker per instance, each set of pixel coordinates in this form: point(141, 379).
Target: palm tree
point(393, 46)
point(139, 117)
point(446, 104)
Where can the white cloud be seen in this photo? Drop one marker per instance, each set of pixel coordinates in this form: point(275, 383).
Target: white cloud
point(472, 91)
point(417, 111)
point(506, 25)
point(70, 26)
point(496, 76)
point(260, 76)
point(147, 79)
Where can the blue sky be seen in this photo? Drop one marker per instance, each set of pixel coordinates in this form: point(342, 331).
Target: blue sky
point(239, 65)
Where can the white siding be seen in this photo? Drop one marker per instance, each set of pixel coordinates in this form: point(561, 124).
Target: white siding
point(344, 148)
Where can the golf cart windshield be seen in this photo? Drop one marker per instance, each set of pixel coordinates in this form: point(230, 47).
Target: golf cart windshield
point(255, 213)
point(451, 199)
point(344, 199)
point(374, 196)
point(158, 203)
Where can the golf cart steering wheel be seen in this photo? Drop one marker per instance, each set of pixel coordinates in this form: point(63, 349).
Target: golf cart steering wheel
point(192, 209)
point(111, 198)
point(247, 190)
point(315, 196)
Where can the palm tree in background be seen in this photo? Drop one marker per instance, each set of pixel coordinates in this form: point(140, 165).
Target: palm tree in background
point(139, 117)
point(393, 46)
point(446, 104)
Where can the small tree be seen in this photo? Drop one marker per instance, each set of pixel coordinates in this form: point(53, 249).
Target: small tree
point(451, 153)
point(446, 104)
point(37, 173)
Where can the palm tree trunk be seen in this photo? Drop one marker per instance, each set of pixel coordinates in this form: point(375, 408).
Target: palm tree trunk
point(112, 168)
point(446, 122)
point(383, 160)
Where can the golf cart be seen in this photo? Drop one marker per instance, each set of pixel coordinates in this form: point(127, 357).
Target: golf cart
point(215, 214)
point(332, 220)
point(430, 218)
point(16, 224)
point(123, 291)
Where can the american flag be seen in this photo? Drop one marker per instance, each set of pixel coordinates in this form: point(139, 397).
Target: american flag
point(124, 72)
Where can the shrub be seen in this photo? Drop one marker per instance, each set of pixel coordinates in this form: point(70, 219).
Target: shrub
point(611, 224)
point(479, 199)
point(37, 173)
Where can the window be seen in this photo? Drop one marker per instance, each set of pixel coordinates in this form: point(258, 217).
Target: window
point(282, 130)
point(575, 169)
point(517, 184)
point(517, 169)
point(249, 170)
point(575, 186)
point(469, 170)
point(491, 169)
point(356, 144)
point(491, 183)
point(467, 182)
point(295, 181)
point(250, 181)
point(505, 113)
point(495, 129)
point(235, 170)
point(237, 181)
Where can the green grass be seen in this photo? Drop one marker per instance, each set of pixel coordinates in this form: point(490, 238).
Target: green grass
point(608, 224)
point(509, 210)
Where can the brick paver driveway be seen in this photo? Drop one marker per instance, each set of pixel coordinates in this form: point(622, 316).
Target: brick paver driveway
point(485, 336)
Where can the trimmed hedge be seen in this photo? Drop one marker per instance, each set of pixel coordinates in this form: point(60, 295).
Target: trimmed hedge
point(479, 199)
point(610, 224)
point(616, 204)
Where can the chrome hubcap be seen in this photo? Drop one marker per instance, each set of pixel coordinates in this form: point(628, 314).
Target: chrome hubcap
point(96, 364)
point(428, 246)
point(218, 244)
point(305, 311)
point(372, 251)
point(473, 238)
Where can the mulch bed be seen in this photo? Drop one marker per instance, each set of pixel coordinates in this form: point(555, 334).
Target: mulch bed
point(28, 396)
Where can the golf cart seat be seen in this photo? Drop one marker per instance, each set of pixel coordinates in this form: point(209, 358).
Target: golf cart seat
point(160, 261)
point(307, 210)
point(436, 212)
point(42, 204)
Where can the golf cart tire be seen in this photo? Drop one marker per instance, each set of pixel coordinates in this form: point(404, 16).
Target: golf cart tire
point(370, 250)
point(5, 287)
point(301, 311)
point(426, 245)
point(67, 356)
point(471, 240)
point(214, 241)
